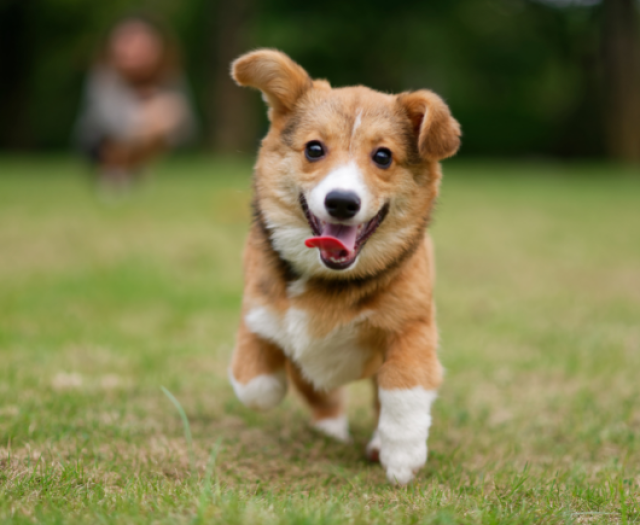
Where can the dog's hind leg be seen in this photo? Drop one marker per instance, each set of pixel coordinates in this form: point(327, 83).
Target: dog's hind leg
point(373, 447)
point(257, 371)
point(327, 407)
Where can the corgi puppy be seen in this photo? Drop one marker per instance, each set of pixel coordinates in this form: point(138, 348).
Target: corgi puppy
point(338, 265)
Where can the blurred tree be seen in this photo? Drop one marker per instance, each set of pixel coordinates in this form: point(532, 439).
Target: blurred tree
point(230, 110)
point(15, 60)
point(621, 50)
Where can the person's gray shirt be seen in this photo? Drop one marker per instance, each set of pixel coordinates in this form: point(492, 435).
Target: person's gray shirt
point(110, 107)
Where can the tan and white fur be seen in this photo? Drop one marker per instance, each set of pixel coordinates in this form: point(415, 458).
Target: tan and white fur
point(319, 318)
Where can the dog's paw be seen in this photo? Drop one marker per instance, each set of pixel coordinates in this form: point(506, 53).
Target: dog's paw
point(400, 476)
point(401, 460)
point(262, 392)
point(334, 427)
point(373, 448)
point(403, 429)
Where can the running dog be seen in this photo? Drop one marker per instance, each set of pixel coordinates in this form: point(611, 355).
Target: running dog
point(338, 265)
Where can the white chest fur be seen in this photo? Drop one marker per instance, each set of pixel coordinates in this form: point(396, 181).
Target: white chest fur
point(327, 362)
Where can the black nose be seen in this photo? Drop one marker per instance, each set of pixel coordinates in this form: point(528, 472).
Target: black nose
point(342, 204)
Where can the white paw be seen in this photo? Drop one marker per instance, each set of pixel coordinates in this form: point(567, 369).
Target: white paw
point(402, 459)
point(262, 392)
point(403, 429)
point(373, 448)
point(334, 427)
point(400, 476)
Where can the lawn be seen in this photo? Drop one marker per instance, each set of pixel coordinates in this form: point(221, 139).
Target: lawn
point(104, 303)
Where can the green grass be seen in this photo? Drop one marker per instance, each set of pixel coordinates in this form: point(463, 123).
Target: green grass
point(101, 305)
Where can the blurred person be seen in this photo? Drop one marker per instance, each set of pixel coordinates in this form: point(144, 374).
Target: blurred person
point(135, 104)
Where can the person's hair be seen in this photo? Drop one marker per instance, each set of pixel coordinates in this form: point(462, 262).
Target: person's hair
point(168, 65)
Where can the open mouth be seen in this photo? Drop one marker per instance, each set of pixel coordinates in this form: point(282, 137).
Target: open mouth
point(339, 244)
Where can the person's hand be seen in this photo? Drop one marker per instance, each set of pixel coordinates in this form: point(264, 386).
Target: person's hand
point(161, 115)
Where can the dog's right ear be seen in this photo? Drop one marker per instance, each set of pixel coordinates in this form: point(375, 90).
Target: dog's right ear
point(280, 79)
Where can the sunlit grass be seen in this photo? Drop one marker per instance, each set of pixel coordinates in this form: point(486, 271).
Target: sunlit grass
point(103, 303)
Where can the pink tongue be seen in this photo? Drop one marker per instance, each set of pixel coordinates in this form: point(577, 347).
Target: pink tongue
point(335, 238)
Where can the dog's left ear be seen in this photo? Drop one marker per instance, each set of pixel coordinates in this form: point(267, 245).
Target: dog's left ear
point(280, 79)
point(437, 132)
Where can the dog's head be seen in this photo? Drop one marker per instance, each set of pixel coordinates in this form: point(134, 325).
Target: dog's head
point(346, 177)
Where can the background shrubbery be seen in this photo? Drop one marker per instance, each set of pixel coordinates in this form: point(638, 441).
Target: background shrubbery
point(524, 77)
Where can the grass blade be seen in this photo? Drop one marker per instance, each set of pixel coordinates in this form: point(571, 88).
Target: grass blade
point(187, 428)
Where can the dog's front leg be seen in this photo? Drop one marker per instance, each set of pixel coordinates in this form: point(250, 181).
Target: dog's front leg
point(257, 371)
point(407, 384)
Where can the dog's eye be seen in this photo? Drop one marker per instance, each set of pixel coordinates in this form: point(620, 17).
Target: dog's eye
point(314, 150)
point(382, 157)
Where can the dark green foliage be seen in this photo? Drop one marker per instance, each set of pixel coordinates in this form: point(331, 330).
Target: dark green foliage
point(523, 77)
